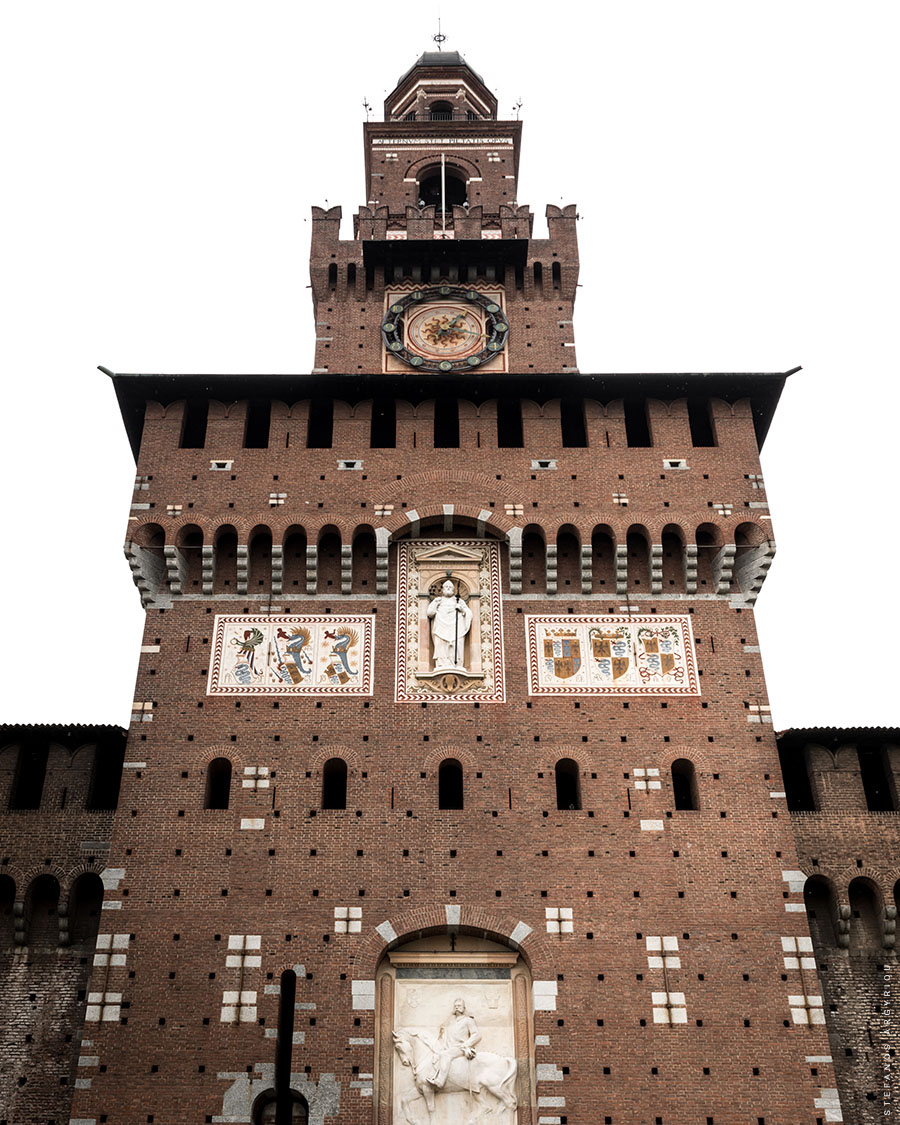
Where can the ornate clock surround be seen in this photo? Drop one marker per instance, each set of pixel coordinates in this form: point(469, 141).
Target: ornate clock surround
point(444, 328)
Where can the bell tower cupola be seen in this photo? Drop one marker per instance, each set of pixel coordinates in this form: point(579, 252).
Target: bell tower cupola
point(443, 274)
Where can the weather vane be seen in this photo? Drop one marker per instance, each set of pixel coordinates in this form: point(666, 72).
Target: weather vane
point(517, 107)
point(366, 107)
point(440, 37)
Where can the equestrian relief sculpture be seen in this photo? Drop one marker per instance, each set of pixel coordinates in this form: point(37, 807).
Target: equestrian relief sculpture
point(450, 1063)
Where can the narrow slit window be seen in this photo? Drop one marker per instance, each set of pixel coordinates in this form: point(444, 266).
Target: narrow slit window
point(450, 784)
point(218, 784)
point(568, 788)
point(684, 785)
point(334, 784)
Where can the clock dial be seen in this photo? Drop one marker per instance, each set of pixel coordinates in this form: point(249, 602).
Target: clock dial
point(445, 328)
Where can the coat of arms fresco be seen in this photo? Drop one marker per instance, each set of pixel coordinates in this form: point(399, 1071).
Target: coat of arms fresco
point(298, 654)
point(611, 655)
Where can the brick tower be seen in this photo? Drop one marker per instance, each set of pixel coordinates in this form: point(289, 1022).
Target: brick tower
point(450, 787)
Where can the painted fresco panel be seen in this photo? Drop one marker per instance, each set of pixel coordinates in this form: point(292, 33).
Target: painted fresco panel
point(291, 654)
point(650, 654)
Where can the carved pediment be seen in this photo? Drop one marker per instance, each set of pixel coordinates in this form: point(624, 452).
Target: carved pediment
point(449, 553)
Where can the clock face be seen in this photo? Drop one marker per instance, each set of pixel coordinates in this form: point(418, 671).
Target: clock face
point(445, 328)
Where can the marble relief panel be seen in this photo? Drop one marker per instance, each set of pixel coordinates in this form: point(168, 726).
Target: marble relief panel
point(454, 1048)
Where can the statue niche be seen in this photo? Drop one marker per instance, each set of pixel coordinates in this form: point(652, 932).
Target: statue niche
point(449, 621)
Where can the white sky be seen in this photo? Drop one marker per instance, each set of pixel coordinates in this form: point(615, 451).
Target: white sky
point(735, 168)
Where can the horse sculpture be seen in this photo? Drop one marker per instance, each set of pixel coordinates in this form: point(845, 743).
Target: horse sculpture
point(495, 1074)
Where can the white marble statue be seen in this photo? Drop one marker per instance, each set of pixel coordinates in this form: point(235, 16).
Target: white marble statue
point(450, 1064)
point(450, 620)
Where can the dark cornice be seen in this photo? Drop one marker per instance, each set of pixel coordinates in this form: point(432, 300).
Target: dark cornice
point(133, 391)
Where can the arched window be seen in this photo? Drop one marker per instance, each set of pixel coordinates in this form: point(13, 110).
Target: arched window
point(334, 784)
point(294, 566)
point(866, 930)
point(364, 552)
point(332, 276)
point(638, 559)
point(267, 1110)
point(450, 784)
point(821, 910)
point(672, 559)
point(189, 542)
point(225, 545)
point(568, 786)
point(454, 188)
point(42, 913)
point(85, 904)
point(441, 111)
point(329, 559)
point(603, 559)
point(709, 544)
point(568, 560)
point(218, 784)
point(260, 559)
point(534, 561)
point(7, 918)
point(684, 785)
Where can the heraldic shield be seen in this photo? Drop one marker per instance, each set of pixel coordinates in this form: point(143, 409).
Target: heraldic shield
point(612, 651)
point(563, 654)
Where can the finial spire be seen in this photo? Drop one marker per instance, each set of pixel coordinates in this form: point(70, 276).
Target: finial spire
point(440, 37)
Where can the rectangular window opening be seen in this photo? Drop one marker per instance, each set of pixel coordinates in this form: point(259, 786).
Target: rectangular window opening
point(321, 424)
point(256, 427)
point(700, 417)
point(193, 427)
point(509, 423)
point(637, 424)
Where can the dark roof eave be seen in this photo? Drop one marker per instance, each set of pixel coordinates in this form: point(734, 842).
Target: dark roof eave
point(134, 390)
point(831, 736)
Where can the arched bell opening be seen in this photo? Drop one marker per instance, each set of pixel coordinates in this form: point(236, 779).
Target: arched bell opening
point(455, 191)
